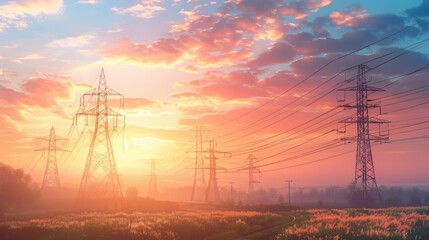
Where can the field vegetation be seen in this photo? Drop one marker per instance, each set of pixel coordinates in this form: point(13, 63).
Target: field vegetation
point(351, 224)
point(358, 224)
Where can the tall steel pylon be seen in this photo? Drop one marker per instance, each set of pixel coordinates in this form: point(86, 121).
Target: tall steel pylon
point(100, 180)
point(199, 185)
point(153, 187)
point(212, 192)
point(366, 192)
point(252, 170)
point(51, 178)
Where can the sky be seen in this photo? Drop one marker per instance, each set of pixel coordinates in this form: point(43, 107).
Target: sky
point(260, 76)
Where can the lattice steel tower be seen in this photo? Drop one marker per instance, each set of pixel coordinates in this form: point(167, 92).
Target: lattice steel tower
point(51, 178)
point(199, 185)
point(153, 187)
point(212, 192)
point(252, 170)
point(100, 180)
point(366, 192)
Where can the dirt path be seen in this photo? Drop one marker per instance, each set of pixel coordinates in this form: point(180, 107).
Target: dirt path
point(268, 232)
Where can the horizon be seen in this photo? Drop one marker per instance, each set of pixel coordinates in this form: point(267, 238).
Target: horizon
point(238, 68)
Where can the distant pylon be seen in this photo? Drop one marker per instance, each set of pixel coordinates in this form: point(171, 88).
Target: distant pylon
point(212, 192)
point(366, 192)
point(51, 178)
point(252, 181)
point(153, 187)
point(100, 180)
point(199, 185)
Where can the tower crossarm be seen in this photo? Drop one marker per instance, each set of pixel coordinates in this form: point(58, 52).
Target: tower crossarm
point(372, 120)
point(56, 148)
point(367, 88)
point(348, 106)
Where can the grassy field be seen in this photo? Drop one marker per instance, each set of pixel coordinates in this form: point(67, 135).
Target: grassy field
point(393, 223)
point(361, 224)
point(175, 225)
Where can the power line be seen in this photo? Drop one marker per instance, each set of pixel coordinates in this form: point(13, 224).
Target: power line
point(314, 73)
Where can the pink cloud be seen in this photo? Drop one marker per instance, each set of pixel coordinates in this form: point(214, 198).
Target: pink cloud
point(316, 4)
point(296, 13)
point(205, 41)
point(162, 51)
point(230, 86)
point(348, 19)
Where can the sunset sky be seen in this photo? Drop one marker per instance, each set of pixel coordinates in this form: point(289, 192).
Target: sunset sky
point(239, 67)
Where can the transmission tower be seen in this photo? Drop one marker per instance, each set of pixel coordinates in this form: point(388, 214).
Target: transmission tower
point(199, 185)
point(153, 187)
point(252, 181)
point(100, 180)
point(212, 192)
point(51, 179)
point(366, 192)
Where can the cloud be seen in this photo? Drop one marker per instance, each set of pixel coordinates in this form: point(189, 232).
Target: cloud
point(92, 2)
point(279, 52)
point(163, 51)
point(71, 42)
point(213, 39)
point(306, 44)
point(47, 89)
point(29, 57)
point(37, 93)
point(207, 41)
point(138, 103)
point(145, 10)
point(11, 46)
point(230, 86)
point(114, 30)
point(420, 11)
point(14, 14)
point(348, 19)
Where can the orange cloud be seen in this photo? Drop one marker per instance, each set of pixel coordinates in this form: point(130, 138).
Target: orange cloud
point(161, 52)
point(204, 40)
point(348, 19)
point(316, 4)
point(296, 13)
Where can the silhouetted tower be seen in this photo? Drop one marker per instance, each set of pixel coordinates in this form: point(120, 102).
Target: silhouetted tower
point(100, 180)
point(199, 186)
point(366, 192)
point(153, 187)
point(252, 170)
point(51, 178)
point(212, 192)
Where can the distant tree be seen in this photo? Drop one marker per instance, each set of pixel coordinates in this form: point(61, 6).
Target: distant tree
point(355, 198)
point(15, 188)
point(415, 197)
